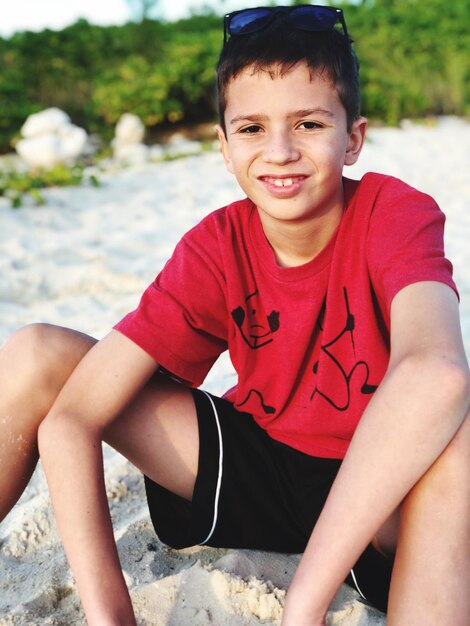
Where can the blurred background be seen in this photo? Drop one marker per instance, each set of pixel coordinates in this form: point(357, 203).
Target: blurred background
point(96, 60)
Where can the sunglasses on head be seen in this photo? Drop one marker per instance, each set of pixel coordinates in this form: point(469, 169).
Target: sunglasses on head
point(308, 17)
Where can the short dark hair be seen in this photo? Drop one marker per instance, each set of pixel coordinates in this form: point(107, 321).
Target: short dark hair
point(280, 44)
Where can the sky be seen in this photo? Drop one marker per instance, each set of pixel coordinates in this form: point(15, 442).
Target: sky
point(35, 15)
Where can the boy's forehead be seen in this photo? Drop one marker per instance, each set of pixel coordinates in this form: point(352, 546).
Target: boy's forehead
point(253, 79)
point(259, 73)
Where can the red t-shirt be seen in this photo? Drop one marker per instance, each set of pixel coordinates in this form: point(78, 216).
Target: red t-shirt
point(310, 344)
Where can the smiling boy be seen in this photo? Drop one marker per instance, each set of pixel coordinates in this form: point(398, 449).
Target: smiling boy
point(347, 435)
point(296, 180)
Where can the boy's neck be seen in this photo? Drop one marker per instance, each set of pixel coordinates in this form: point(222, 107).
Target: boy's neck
point(295, 244)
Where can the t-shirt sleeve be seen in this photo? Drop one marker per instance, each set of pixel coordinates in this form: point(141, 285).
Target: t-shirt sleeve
point(406, 241)
point(181, 319)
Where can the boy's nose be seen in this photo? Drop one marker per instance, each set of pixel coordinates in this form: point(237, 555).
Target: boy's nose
point(280, 148)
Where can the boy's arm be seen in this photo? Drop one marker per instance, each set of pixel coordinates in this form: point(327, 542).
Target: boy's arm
point(412, 417)
point(104, 382)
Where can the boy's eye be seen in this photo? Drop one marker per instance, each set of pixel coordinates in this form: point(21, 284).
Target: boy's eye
point(309, 125)
point(253, 128)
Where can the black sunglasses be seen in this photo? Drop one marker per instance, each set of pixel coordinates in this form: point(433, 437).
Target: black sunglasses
point(309, 17)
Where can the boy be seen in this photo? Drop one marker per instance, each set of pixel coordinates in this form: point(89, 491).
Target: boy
point(347, 435)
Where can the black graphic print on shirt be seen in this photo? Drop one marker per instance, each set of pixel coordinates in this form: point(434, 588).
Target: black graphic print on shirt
point(256, 395)
point(255, 326)
point(257, 329)
point(340, 351)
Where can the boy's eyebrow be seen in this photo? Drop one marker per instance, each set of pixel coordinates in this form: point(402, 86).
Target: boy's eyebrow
point(247, 117)
point(255, 117)
point(315, 111)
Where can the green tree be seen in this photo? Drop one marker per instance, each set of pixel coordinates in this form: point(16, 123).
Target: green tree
point(415, 61)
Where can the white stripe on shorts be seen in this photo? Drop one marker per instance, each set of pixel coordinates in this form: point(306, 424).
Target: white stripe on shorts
point(353, 576)
point(219, 478)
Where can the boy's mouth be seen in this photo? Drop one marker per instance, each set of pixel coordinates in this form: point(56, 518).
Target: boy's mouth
point(283, 182)
point(287, 181)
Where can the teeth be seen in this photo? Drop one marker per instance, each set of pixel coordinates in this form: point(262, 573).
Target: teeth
point(283, 182)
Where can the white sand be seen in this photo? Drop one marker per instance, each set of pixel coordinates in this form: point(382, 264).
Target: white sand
point(82, 261)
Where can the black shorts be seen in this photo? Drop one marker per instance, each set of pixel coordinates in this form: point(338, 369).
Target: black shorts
point(255, 493)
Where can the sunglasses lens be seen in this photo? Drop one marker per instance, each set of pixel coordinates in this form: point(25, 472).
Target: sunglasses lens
point(313, 18)
point(248, 21)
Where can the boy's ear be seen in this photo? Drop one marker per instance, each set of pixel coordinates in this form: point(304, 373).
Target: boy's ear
point(224, 147)
point(356, 140)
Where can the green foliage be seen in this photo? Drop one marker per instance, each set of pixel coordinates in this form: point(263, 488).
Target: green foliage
point(415, 57)
point(16, 185)
point(180, 88)
point(415, 61)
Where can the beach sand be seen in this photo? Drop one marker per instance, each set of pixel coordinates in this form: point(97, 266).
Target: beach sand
point(82, 260)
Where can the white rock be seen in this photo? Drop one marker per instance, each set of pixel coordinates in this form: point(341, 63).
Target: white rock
point(128, 146)
point(131, 154)
point(49, 138)
point(45, 122)
point(41, 151)
point(130, 129)
point(73, 141)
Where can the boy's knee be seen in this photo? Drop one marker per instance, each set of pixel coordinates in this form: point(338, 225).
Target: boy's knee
point(33, 346)
point(43, 354)
point(31, 335)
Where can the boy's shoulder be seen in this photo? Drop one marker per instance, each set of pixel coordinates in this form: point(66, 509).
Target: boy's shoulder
point(221, 230)
point(375, 190)
point(375, 183)
point(222, 221)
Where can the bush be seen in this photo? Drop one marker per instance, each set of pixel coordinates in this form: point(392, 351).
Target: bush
point(415, 61)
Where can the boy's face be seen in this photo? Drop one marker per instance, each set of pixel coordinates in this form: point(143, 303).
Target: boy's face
point(287, 143)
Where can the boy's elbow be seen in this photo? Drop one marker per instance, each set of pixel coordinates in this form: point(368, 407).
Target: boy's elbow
point(462, 377)
point(438, 379)
point(451, 378)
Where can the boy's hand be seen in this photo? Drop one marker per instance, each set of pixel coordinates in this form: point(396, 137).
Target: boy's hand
point(290, 620)
point(297, 614)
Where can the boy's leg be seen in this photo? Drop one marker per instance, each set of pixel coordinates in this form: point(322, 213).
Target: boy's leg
point(158, 432)
point(432, 566)
point(430, 536)
point(34, 365)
